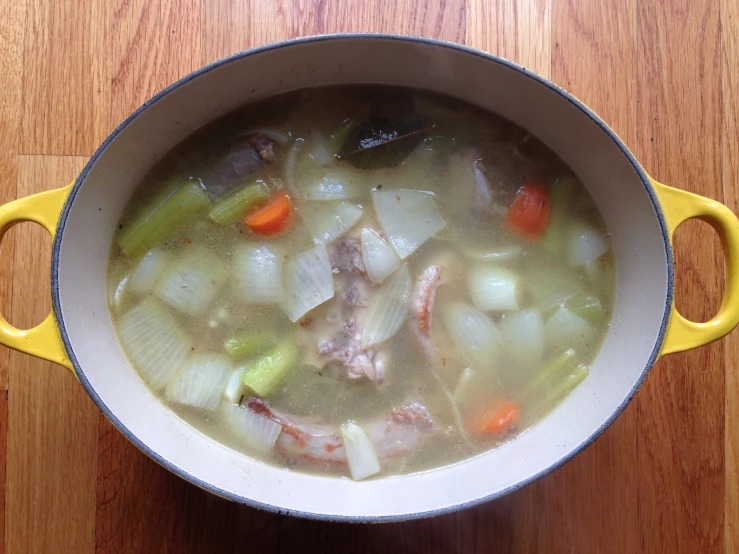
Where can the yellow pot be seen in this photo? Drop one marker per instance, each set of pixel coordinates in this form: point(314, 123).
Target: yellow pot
point(640, 213)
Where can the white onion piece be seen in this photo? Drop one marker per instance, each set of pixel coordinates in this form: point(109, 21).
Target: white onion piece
point(257, 273)
point(409, 218)
point(235, 387)
point(474, 334)
point(328, 221)
point(153, 342)
point(360, 453)
point(201, 381)
point(523, 337)
point(493, 288)
point(388, 309)
point(337, 183)
point(379, 258)
point(117, 292)
point(255, 430)
point(585, 243)
point(272, 133)
point(473, 389)
point(191, 281)
point(552, 284)
point(309, 282)
point(565, 330)
point(320, 150)
point(150, 269)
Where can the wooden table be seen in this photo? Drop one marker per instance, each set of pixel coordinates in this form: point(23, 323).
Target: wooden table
point(662, 73)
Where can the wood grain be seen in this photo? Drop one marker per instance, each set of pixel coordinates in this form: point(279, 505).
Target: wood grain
point(3, 455)
point(681, 405)
point(730, 168)
point(519, 30)
point(141, 507)
point(52, 423)
point(663, 478)
point(66, 78)
point(12, 24)
point(594, 54)
point(154, 43)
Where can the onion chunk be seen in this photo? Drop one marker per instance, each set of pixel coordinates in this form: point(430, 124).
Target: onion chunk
point(388, 309)
point(153, 341)
point(309, 282)
point(408, 218)
point(379, 258)
point(258, 273)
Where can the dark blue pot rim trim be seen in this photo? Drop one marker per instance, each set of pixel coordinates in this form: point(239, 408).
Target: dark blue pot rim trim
point(359, 36)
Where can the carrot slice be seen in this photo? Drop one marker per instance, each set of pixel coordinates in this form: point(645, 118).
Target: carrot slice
point(500, 419)
point(273, 217)
point(529, 214)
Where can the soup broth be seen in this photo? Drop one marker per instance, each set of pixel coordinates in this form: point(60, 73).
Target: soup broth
point(361, 281)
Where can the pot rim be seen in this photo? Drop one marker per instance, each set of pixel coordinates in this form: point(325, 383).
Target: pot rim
point(56, 252)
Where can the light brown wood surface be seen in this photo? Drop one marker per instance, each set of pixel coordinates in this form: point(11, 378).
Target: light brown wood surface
point(663, 74)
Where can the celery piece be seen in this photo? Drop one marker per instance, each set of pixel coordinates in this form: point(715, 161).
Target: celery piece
point(161, 218)
point(587, 307)
point(560, 198)
point(264, 375)
point(552, 372)
point(337, 138)
point(228, 210)
point(248, 343)
point(565, 386)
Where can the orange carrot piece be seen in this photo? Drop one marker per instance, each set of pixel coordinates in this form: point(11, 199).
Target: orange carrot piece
point(272, 218)
point(529, 214)
point(500, 419)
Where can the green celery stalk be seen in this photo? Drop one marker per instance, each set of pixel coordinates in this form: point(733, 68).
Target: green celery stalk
point(160, 219)
point(587, 307)
point(228, 209)
point(264, 375)
point(337, 138)
point(565, 386)
point(248, 343)
point(560, 198)
point(554, 370)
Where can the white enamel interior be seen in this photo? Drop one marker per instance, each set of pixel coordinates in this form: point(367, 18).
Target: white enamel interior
point(605, 169)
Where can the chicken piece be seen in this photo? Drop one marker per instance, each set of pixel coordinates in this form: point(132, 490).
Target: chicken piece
point(346, 256)
point(394, 436)
point(355, 362)
point(422, 306)
point(263, 146)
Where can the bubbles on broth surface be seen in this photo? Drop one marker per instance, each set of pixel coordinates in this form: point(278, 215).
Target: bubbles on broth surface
point(495, 289)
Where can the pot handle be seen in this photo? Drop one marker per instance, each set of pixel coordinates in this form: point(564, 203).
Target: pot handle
point(43, 341)
point(678, 206)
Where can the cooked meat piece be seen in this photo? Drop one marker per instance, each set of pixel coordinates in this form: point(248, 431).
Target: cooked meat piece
point(242, 159)
point(355, 362)
point(422, 307)
point(264, 147)
point(358, 293)
point(414, 412)
point(346, 255)
point(352, 295)
point(342, 350)
point(392, 436)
